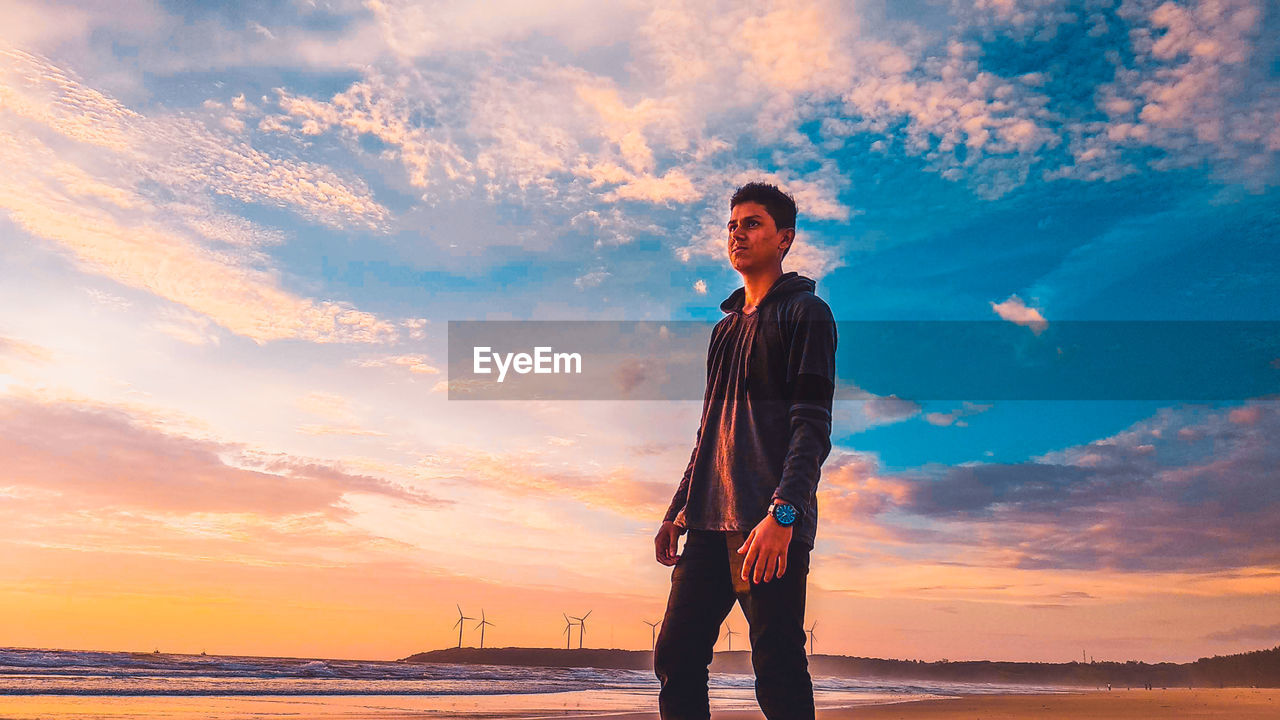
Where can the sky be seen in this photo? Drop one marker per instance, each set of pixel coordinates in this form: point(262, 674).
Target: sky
point(232, 237)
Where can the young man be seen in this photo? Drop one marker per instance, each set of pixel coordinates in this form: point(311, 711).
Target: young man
point(748, 497)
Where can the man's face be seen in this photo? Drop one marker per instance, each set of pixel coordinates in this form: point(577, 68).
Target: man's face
point(755, 243)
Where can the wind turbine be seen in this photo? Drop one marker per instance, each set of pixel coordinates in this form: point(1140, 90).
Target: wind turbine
point(458, 624)
point(653, 634)
point(810, 631)
point(568, 630)
point(582, 627)
point(729, 633)
point(481, 625)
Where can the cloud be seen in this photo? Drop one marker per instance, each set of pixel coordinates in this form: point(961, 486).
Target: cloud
point(700, 287)
point(1172, 85)
point(954, 417)
point(1016, 311)
point(1022, 16)
point(326, 405)
point(812, 260)
point(30, 23)
point(626, 128)
point(889, 408)
point(617, 490)
point(102, 297)
point(1247, 633)
point(1150, 499)
point(673, 185)
point(176, 150)
point(416, 327)
point(522, 133)
point(20, 360)
point(1248, 415)
point(800, 47)
point(556, 132)
point(82, 171)
point(24, 351)
point(186, 327)
point(592, 279)
point(348, 430)
point(415, 363)
point(507, 104)
point(966, 122)
point(382, 108)
point(852, 489)
point(414, 32)
point(612, 227)
point(1191, 86)
point(338, 412)
point(102, 456)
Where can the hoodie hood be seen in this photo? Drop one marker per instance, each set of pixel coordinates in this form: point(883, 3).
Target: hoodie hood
point(788, 284)
point(785, 286)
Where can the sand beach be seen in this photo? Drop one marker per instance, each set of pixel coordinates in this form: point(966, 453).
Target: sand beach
point(1234, 703)
point(1182, 704)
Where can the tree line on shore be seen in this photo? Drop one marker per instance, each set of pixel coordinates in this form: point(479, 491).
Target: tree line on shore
point(1260, 668)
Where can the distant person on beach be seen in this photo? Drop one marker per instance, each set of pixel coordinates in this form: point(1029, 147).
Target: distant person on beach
point(748, 498)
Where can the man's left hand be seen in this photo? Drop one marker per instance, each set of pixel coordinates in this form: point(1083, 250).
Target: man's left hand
point(766, 551)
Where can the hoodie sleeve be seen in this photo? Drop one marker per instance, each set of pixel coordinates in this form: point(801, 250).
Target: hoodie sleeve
point(681, 497)
point(811, 374)
point(682, 493)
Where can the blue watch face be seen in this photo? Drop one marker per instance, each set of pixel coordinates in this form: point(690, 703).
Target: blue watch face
point(785, 514)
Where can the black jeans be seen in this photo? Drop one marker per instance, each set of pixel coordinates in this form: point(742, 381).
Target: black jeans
point(702, 594)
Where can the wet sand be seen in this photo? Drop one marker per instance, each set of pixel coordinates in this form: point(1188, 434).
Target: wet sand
point(1234, 703)
point(1183, 704)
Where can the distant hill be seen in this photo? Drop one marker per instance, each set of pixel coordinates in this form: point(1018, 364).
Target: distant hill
point(1259, 668)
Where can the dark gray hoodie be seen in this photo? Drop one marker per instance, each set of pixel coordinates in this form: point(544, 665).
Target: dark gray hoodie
point(766, 413)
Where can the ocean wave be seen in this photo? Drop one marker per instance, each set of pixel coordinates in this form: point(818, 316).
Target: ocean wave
point(59, 672)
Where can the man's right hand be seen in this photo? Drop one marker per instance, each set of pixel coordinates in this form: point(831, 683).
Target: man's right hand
point(666, 541)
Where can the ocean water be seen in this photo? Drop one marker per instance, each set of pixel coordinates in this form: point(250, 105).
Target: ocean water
point(93, 685)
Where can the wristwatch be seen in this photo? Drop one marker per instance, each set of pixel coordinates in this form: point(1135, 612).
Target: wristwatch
point(784, 513)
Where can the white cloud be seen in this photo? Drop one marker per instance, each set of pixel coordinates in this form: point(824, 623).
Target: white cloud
point(186, 326)
point(102, 297)
point(414, 31)
point(965, 121)
point(347, 430)
point(674, 120)
point(1190, 86)
point(592, 279)
point(416, 327)
point(613, 227)
point(79, 171)
point(811, 260)
point(1016, 311)
point(13, 348)
point(415, 363)
point(381, 107)
point(571, 135)
point(954, 417)
point(177, 152)
point(327, 405)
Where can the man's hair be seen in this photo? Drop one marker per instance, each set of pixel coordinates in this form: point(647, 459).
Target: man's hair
point(780, 206)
